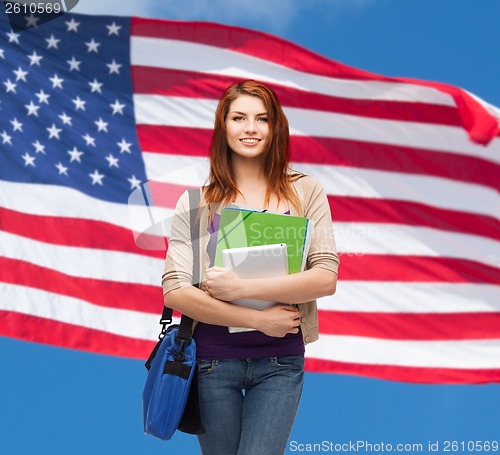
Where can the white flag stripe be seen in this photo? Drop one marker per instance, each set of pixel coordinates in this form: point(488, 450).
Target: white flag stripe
point(433, 191)
point(402, 240)
point(355, 182)
point(202, 58)
point(159, 166)
point(199, 113)
point(84, 262)
point(470, 354)
point(412, 298)
point(55, 200)
point(52, 200)
point(40, 303)
point(389, 239)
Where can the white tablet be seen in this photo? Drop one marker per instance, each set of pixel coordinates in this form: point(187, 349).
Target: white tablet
point(266, 261)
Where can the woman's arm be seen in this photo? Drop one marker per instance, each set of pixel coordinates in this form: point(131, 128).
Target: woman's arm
point(276, 321)
point(300, 287)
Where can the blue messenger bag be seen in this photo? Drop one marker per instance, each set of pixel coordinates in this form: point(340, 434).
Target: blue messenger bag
point(170, 398)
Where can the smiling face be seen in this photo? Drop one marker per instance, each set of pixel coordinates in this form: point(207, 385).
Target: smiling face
point(247, 127)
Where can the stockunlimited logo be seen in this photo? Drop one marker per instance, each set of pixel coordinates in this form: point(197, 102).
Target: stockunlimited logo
point(26, 14)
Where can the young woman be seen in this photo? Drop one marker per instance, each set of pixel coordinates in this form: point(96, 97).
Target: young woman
point(250, 383)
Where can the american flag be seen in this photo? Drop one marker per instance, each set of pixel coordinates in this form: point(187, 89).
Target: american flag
point(98, 112)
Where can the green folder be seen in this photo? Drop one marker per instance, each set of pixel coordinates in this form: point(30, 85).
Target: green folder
point(241, 228)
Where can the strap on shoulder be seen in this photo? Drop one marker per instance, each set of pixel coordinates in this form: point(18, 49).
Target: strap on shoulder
point(185, 330)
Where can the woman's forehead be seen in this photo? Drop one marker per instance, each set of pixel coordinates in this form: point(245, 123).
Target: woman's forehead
point(248, 104)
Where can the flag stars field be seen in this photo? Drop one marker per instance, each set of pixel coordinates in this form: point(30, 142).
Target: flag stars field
point(82, 74)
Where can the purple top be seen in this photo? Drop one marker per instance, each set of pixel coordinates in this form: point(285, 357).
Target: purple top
point(214, 342)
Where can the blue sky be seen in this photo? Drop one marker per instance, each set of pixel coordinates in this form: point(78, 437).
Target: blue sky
point(56, 401)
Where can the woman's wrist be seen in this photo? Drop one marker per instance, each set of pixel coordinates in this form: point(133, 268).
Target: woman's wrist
point(244, 289)
point(255, 322)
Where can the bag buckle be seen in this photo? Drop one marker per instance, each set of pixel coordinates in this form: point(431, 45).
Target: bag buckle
point(164, 323)
point(179, 354)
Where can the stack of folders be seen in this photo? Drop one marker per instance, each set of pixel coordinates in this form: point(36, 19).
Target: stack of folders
point(262, 245)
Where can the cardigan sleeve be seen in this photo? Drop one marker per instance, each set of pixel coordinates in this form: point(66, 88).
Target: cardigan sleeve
point(323, 251)
point(179, 261)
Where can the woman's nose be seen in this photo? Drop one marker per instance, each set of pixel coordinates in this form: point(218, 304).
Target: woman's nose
point(250, 127)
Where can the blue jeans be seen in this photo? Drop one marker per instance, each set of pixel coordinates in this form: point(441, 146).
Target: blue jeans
point(248, 406)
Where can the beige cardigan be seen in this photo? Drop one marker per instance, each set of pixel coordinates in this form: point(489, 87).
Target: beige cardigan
point(314, 205)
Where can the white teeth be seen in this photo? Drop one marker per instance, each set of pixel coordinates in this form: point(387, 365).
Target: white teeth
point(250, 141)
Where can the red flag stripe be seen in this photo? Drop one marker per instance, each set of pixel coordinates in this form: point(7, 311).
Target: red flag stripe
point(415, 326)
point(105, 293)
point(356, 209)
point(48, 331)
point(373, 267)
point(173, 82)
point(405, 374)
point(73, 232)
point(174, 140)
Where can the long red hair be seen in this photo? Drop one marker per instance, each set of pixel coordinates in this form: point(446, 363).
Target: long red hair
point(221, 186)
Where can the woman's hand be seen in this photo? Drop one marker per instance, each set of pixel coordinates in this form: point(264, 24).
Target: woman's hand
point(223, 284)
point(280, 319)
point(275, 321)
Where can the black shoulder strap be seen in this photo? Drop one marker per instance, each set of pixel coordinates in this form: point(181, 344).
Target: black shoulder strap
point(185, 330)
